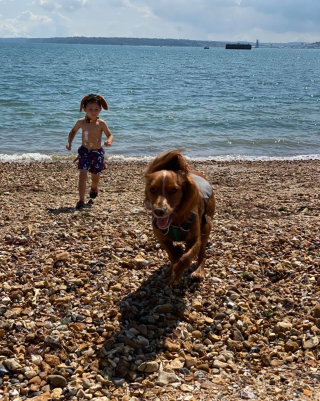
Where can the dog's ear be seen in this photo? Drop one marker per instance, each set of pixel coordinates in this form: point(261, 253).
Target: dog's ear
point(104, 104)
point(190, 195)
point(82, 102)
point(146, 201)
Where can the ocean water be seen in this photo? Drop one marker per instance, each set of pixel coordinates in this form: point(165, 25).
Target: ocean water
point(216, 104)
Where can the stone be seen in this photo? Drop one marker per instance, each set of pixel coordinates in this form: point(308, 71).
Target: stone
point(310, 343)
point(315, 311)
point(291, 346)
point(284, 326)
point(149, 367)
point(165, 378)
point(166, 308)
point(57, 381)
point(12, 364)
point(42, 397)
point(171, 346)
point(52, 360)
point(122, 368)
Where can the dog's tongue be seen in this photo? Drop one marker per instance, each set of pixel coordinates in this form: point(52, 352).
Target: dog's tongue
point(163, 222)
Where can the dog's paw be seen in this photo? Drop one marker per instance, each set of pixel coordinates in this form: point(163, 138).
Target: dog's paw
point(197, 275)
point(172, 276)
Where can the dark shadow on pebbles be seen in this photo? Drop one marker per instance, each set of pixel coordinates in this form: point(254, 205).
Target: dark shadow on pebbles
point(61, 210)
point(66, 210)
point(149, 325)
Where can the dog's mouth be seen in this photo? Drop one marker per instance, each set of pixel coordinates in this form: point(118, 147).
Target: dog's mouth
point(163, 222)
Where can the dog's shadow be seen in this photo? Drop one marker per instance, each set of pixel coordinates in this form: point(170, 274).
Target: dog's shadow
point(149, 325)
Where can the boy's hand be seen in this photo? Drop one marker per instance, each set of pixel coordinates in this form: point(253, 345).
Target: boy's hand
point(68, 146)
point(107, 143)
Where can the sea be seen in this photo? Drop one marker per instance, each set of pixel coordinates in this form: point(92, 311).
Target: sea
point(215, 104)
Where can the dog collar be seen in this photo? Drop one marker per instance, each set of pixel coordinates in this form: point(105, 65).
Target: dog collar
point(177, 233)
point(89, 120)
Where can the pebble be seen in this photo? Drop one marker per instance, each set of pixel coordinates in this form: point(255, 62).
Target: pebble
point(57, 380)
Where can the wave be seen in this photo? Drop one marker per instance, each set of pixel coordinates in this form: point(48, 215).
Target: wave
point(38, 157)
point(25, 157)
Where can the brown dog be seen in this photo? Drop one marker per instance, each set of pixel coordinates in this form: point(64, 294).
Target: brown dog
point(183, 204)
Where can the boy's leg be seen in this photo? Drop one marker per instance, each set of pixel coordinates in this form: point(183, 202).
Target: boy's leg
point(82, 184)
point(95, 180)
point(97, 166)
point(94, 185)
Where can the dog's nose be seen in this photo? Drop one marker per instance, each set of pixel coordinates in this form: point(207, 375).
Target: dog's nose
point(159, 212)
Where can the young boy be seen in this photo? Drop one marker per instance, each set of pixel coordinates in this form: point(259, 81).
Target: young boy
point(91, 153)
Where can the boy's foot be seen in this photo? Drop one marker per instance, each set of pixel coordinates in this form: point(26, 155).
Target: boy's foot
point(93, 193)
point(80, 205)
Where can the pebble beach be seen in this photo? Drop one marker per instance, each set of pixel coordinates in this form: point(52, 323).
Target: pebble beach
point(85, 313)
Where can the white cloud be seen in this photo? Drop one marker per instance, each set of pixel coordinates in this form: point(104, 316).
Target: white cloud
point(65, 5)
point(28, 24)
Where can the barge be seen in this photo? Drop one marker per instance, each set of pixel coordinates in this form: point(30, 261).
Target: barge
point(241, 46)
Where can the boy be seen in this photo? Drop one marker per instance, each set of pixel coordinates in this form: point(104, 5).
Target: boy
point(91, 153)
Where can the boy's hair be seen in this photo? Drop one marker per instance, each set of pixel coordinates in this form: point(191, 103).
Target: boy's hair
point(92, 98)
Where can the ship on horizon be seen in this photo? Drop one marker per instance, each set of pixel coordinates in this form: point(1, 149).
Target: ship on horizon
point(241, 46)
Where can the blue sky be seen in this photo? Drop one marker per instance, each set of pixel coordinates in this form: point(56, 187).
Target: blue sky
point(226, 20)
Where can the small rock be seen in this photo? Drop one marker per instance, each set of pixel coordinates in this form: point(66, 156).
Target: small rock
point(62, 256)
point(315, 311)
point(149, 367)
point(248, 276)
point(57, 381)
point(284, 326)
point(170, 346)
point(291, 346)
point(165, 378)
point(12, 365)
point(310, 343)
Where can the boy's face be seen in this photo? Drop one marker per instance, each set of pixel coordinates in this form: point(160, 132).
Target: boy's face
point(92, 110)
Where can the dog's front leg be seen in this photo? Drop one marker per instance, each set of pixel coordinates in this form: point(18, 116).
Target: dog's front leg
point(174, 251)
point(174, 274)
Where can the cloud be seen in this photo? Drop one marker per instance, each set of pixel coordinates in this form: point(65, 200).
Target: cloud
point(65, 5)
point(230, 18)
point(28, 24)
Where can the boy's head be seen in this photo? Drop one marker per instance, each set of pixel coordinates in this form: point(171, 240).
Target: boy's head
point(92, 98)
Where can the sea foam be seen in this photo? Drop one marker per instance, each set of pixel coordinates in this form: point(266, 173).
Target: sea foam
point(25, 157)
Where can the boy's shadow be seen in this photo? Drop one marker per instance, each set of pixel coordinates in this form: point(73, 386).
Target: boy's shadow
point(69, 210)
point(61, 210)
point(149, 323)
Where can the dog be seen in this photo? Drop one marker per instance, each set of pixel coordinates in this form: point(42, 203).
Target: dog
point(183, 204)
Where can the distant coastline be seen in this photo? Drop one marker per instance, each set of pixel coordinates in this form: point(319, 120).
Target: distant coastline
point(123, 41)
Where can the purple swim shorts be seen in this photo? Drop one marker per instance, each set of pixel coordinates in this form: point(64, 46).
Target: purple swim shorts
point(91, 159)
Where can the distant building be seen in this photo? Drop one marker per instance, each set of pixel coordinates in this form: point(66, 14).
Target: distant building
point(257, 42)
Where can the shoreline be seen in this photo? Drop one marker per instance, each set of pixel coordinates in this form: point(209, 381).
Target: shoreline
point(82, 296)
point(38, 157)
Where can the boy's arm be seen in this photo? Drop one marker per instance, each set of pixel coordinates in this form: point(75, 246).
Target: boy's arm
point(108, 134)
point(72, 134)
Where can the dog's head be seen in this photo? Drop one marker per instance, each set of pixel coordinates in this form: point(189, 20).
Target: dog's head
point(171, 195)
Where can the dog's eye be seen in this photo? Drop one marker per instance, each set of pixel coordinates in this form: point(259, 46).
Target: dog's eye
point(173, 191)
point(152, 190)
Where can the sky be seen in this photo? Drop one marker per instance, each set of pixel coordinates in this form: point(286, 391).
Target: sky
point(276, 21)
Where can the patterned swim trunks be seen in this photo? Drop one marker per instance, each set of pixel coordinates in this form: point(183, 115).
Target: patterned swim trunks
point(92, 160)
